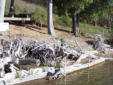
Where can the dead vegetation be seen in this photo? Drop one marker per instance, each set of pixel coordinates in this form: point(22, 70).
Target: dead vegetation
point(48, 54)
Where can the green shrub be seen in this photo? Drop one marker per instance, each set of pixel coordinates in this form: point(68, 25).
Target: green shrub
point(20, 10)
point(40, 16)
point(64, 20)
point(17, 75)
point(58, 65)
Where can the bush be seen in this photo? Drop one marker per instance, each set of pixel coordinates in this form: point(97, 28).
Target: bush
point(20, 10)
point(39, 16)
point(64, 20)
point(58, 65)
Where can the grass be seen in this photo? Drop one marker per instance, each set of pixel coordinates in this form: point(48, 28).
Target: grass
point(17, 75)
point(40, 16)
point(20, 5)
point(86, 28)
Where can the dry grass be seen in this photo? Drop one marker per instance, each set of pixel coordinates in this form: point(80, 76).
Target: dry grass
point(20, 5)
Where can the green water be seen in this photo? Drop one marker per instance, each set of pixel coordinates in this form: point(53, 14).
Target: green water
point(99, 75)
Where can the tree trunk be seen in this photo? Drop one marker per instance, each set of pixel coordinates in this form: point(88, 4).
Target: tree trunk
point(50, 19)
point(75, 24)
point(11, 11)
point(95, 23)
point(110, 23)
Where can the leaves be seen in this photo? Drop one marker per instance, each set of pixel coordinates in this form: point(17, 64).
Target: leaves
point(65, 5)
point(98, 9)
point(40, 16)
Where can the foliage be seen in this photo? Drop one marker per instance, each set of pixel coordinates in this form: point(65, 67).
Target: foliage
point(58, 65)
point(40, 16)
point(17, 75)
point(97, 10)
point(64, 20)
point(90, 10)
point(20, 10)
point(72, 8)
point(88, 29)
point(64, 6)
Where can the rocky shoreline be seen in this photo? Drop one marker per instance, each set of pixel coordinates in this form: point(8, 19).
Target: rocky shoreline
point(42, 56)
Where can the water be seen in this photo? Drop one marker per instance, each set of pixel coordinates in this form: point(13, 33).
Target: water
point(99, 75)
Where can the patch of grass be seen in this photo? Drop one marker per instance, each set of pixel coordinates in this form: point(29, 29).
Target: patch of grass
point(17, 75)
point(58, 65)
point(20, 10)
point(86, 28)
point(65, 23)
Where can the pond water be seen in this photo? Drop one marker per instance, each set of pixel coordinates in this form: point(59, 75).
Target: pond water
point(98, 75)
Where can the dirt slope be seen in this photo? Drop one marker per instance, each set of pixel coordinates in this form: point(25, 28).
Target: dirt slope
point(35, 32)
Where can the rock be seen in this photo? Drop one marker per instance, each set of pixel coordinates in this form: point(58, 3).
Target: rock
point(7, 68)
point(3, 82)
point(98, 44)
point(56, 75)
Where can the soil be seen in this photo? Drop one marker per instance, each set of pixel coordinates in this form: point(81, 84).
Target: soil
point(41, 34)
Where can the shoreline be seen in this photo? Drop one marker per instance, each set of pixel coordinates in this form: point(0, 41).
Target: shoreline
point(70, 69)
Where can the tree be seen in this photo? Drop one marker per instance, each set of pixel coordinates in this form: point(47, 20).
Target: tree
point(73, 8)
point(98, 9)
point(11, 11)
point(50, 19)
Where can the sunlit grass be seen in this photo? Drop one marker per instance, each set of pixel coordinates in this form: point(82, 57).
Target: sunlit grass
point(86, 28)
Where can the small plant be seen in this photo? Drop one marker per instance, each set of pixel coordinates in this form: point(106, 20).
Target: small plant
point(64, 20)
point(17, 75)
point(58, 65)
point(39, 16)
point(20, 10)
point(62, 39)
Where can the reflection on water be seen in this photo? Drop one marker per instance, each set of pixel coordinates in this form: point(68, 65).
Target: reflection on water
point(99, 75)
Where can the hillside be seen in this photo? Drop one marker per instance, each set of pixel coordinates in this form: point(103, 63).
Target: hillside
point(60, 22)
point(20, 5)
